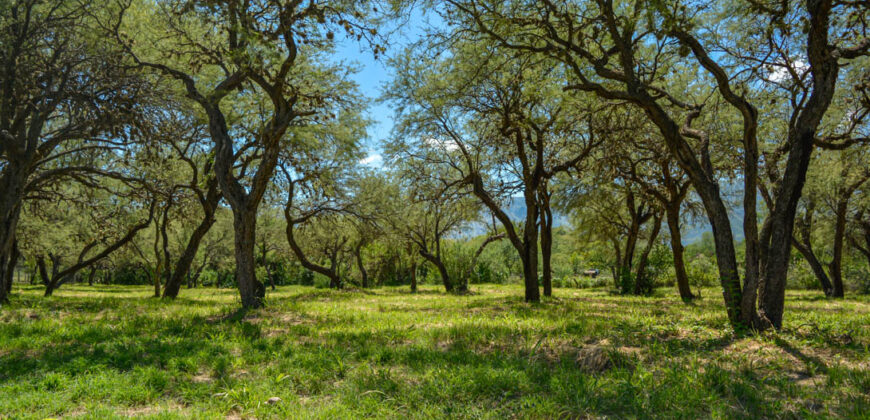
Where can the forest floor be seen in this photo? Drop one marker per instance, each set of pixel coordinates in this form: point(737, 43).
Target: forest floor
point(111, 351)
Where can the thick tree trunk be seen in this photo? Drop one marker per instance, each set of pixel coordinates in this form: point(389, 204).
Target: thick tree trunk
point(9, 270)
point(10, 209)
point(251, 290)
point(673, 216)
point(726, 255)
point(824, 67)
point(529, 250)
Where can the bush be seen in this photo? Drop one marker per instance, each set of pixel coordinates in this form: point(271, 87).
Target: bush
point(702, 271)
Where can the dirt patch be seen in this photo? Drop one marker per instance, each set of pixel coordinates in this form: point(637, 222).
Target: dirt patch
point(599, 358)
point(201, 378)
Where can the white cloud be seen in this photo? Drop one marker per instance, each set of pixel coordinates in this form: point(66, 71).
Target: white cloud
point(374, 159)
point(780, 74)
point(448, 145)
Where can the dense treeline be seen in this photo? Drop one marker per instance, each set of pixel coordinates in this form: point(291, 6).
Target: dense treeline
point(189, 143)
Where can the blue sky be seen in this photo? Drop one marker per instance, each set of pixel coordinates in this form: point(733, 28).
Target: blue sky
point(374, 74)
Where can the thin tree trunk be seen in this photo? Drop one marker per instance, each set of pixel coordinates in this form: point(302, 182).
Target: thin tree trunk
point(414, 277)
point(673, 216)
point(445, 277)
point(361, 266)
point(182, 266)
point(641, 283)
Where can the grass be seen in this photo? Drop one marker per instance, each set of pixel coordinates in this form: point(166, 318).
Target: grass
point(111, 351)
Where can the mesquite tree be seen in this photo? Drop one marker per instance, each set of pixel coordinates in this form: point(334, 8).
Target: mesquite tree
point(634, 54)
point(496, 125)
point(66, 104)
point(261, 54)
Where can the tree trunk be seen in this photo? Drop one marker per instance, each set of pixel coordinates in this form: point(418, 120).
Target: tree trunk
point(10, 209)
point(529, 251)
point(436, 261)
point(673, 216)
point(251, 290)
point(802, 241)
point(361, 266)
point(642, 285)
point(182, 266)
point(835, 267)
point(546, 246)
point(414, 277)
point(91, 276)
point(10, 268)
point(824, 67)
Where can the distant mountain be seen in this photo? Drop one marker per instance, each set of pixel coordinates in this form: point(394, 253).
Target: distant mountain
point(692, 232)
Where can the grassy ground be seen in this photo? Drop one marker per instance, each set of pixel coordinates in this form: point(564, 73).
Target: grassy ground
point(107, 352)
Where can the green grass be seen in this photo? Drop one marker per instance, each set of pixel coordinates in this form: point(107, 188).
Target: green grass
point(111, 351)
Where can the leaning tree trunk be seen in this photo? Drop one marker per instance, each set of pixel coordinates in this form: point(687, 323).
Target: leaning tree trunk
point(182, 266)
point(803, 243)
point(809, 255)
point(361, 266)
point(673, 216)
point(641, 284)
point(251, 290)
point(442, 269)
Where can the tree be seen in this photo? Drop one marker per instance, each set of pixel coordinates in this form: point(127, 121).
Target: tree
point(630, 54)
point(497, 125)
point(252, 48)
point(833, 182)
point(68, 100)
point(105, 220)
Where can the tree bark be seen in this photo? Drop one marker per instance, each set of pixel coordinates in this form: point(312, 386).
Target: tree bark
point(546, 242)
point(251, 290)
point(414, 277)
point(10, 209)
point(803, 243)
point(673, 215)
point(9, 270)
point(329, 272)
point(361, 266)
point(836, 265)
point(529, 249)
point(436, 261)
point(182, 266)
